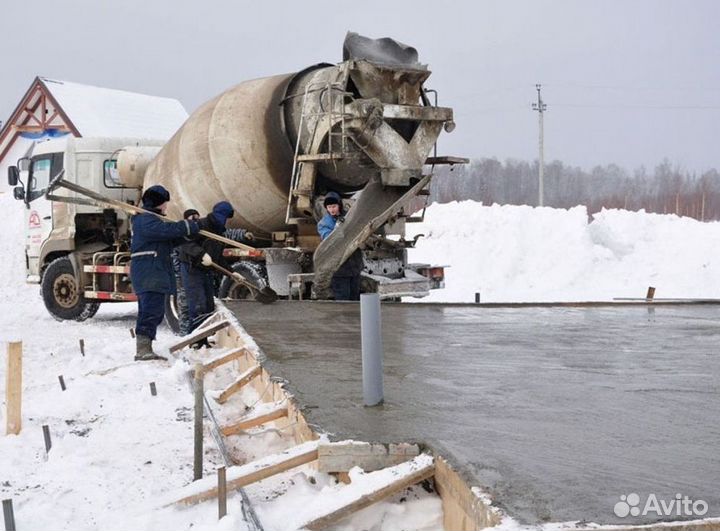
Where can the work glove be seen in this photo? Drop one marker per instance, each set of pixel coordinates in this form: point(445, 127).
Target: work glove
point(206, 260)
point(237, 276)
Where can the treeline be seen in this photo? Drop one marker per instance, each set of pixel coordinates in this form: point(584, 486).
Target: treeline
point(666, 190)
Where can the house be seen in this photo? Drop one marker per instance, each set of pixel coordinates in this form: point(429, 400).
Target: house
point(51, 108)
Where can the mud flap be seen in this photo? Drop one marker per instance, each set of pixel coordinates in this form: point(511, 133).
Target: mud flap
point(376, 204)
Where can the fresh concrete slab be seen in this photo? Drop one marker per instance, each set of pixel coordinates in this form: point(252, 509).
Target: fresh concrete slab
point(557, 411)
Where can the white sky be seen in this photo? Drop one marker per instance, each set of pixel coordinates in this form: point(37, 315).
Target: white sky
point(627, 81)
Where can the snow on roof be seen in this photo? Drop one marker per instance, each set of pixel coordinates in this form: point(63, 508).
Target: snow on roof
point(102, 112)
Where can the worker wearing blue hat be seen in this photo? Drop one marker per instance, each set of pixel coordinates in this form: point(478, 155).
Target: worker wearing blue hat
point(151, 270)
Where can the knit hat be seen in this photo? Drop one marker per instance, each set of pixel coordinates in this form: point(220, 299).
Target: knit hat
point(222, 211)
point(332, 198)
point(190, 212)
point(155, 196)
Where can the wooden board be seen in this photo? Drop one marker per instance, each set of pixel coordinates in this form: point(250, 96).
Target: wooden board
point(398, 479)
point(238, 384)
point(256, 420)
point(13, 388)
point(241, 476)
point(214, 363)
point(342, 456)
point(463, 509)
point(198, 335)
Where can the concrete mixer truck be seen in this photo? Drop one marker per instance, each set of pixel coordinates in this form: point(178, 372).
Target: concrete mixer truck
point(273, 147)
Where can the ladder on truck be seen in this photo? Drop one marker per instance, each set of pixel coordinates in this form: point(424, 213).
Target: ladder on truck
point(304, 170)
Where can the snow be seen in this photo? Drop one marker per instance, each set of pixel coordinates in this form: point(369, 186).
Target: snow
point(103, 112)
point(235, 472)
point(364, 484)
point(118, 451)
point(521, 253)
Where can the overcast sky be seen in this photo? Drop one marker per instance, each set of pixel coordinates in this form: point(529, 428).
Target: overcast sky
point(629, 82)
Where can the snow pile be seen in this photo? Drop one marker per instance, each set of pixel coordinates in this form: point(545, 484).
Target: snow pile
point(521, 253)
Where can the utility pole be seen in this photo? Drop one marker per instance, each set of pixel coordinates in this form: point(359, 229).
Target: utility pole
point(540, 107)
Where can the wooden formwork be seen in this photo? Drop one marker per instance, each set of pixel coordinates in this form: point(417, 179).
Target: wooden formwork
point(464, 508)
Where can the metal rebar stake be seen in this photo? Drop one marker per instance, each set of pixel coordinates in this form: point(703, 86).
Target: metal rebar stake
point(8, 515)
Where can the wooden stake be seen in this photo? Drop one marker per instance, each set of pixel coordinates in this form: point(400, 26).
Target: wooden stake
point(199, 395)
point(222, 493)
point(82, 347)
point(13, 388)
point(153, 389)
point(8, 515)
point(62, 382)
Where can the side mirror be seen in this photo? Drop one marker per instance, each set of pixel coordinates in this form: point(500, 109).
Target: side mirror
point(24, 164)
point(19, 193)
point(13, 175)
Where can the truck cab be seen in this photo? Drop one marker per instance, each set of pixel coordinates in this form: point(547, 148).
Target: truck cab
point(63, 236)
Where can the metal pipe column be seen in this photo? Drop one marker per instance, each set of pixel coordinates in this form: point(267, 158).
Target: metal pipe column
point(372, 349)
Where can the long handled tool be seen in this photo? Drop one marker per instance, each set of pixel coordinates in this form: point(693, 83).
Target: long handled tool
point(265, 295)
point(132, 209)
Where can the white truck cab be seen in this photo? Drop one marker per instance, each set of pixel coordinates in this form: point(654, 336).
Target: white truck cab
point(62, 237)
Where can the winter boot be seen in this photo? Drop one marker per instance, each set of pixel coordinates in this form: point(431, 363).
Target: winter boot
point(144, 350)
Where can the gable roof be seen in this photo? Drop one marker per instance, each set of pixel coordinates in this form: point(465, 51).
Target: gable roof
point(97, 111)
point(51, 107)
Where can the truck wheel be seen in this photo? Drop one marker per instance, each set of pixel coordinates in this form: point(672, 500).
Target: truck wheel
point(254, 273)
point(62, 295)
point(175, 305)
point(174, 314)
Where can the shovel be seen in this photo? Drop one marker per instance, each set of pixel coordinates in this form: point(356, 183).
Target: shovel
point(265, 295)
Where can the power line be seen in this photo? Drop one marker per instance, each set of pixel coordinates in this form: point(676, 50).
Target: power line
point(637, 106)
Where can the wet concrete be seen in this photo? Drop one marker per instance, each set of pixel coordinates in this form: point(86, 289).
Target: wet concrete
point(557, 411)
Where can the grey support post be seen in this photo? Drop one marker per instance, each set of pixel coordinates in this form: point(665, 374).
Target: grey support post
point(372, 349)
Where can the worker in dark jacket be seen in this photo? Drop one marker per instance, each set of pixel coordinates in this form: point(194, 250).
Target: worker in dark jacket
point(151, 269)
point(196, 259)
point(345, 282)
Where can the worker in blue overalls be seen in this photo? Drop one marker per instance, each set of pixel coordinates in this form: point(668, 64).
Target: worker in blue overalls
point(151, 270)
point(345, 282)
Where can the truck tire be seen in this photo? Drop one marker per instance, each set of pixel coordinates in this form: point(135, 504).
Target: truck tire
point(253, 272)
point(174, 314)
point(62, 295)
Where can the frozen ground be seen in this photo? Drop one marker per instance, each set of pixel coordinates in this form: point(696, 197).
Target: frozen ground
point(117, 450)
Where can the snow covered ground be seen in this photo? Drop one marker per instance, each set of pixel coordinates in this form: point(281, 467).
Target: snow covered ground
point(520, 253)
point(117, 450)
